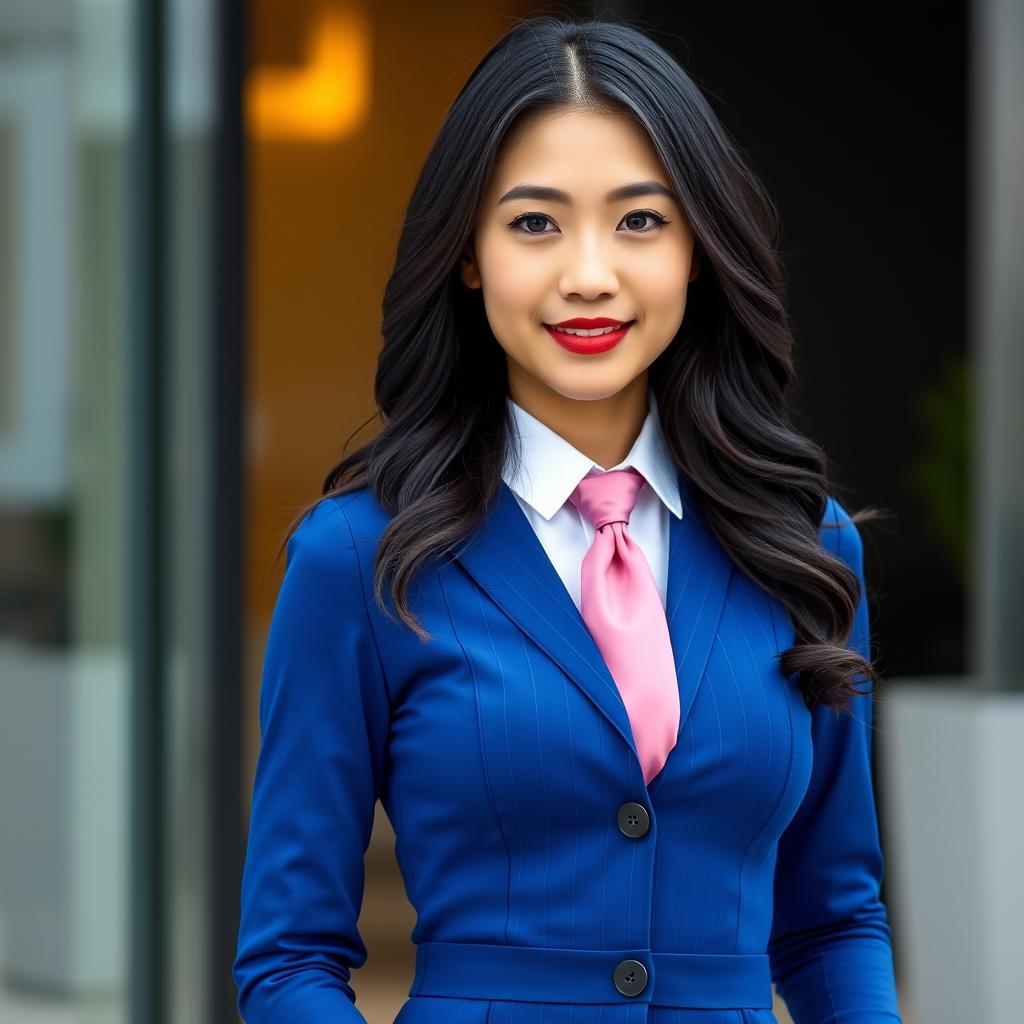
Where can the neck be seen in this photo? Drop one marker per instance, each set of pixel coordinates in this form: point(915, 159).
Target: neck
point(603, 429)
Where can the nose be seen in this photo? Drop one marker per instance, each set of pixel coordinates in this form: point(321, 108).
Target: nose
point(589, 270)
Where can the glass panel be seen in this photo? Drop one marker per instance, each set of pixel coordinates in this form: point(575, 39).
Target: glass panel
point(65, 282)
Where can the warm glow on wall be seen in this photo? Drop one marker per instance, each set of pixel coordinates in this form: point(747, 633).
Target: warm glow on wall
point(326, 98)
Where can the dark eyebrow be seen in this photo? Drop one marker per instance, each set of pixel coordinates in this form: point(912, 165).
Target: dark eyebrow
point(556, 195)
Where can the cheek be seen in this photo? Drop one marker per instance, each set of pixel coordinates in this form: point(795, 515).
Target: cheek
point(511, 279)
point(662, 281)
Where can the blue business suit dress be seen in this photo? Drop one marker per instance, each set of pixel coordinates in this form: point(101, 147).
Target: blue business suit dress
point(551, 885)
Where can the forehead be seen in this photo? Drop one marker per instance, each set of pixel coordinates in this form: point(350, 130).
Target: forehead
point(584, 153)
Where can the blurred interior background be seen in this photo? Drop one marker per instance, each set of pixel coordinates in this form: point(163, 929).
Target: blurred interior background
point(199, 204)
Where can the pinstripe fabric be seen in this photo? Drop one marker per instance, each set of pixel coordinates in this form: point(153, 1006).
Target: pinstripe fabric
point(502, 752)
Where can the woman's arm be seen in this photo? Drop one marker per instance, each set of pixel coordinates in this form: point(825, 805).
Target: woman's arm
point(324, 716)
point(830, 949)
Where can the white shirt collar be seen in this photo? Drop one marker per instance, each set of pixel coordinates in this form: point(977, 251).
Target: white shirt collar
point(551, 468)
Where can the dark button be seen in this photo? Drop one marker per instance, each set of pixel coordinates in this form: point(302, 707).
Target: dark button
point(630, 977)
point(634, 821)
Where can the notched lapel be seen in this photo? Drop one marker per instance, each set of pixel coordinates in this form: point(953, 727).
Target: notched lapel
point(699, 572)
point(507, 560)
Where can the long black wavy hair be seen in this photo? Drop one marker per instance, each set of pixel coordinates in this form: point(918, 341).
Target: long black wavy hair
point(722, 386)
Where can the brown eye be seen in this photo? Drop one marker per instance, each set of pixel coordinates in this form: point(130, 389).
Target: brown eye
point(530, 218)
point(658, 220)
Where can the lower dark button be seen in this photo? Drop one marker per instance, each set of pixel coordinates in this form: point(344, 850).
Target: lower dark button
point(634, 821)
point(630, 977)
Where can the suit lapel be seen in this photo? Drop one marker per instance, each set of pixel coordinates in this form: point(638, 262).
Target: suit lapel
point(507, 560)
point(699, 572)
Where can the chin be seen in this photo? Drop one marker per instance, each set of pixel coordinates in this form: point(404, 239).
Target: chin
point(590, 391)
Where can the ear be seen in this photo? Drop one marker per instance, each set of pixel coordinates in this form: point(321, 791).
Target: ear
point(468, 267)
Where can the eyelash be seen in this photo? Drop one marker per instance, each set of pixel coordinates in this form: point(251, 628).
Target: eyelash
point(659, 222)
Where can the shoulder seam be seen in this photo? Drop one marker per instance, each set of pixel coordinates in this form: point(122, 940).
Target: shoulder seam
point(336, 498)
point(366, 609)
point(830, 526)
point(841, 528)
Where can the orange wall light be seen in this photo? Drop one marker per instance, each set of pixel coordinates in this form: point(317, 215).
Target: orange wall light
point(326, 98)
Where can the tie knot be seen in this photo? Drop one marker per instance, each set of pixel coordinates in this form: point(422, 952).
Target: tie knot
point(608, 497)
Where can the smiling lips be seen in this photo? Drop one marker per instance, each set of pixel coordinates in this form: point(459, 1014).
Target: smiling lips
point(607, 333)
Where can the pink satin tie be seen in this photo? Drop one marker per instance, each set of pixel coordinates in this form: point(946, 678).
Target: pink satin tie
point(622, 608)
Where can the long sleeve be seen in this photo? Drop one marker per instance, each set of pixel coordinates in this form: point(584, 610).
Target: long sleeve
point(830, 948)
point(324, 716)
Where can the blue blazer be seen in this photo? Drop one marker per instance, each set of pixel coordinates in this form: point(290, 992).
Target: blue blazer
point(551, 885)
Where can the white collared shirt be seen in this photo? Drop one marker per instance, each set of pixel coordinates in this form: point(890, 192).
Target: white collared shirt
point(549, 472)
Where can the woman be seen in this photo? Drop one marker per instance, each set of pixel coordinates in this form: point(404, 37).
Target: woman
point(584, 616)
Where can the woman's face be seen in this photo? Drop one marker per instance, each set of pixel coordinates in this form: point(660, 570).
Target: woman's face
point(543, 259)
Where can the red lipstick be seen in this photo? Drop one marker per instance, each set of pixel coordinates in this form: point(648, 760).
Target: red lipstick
point(584, 345)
